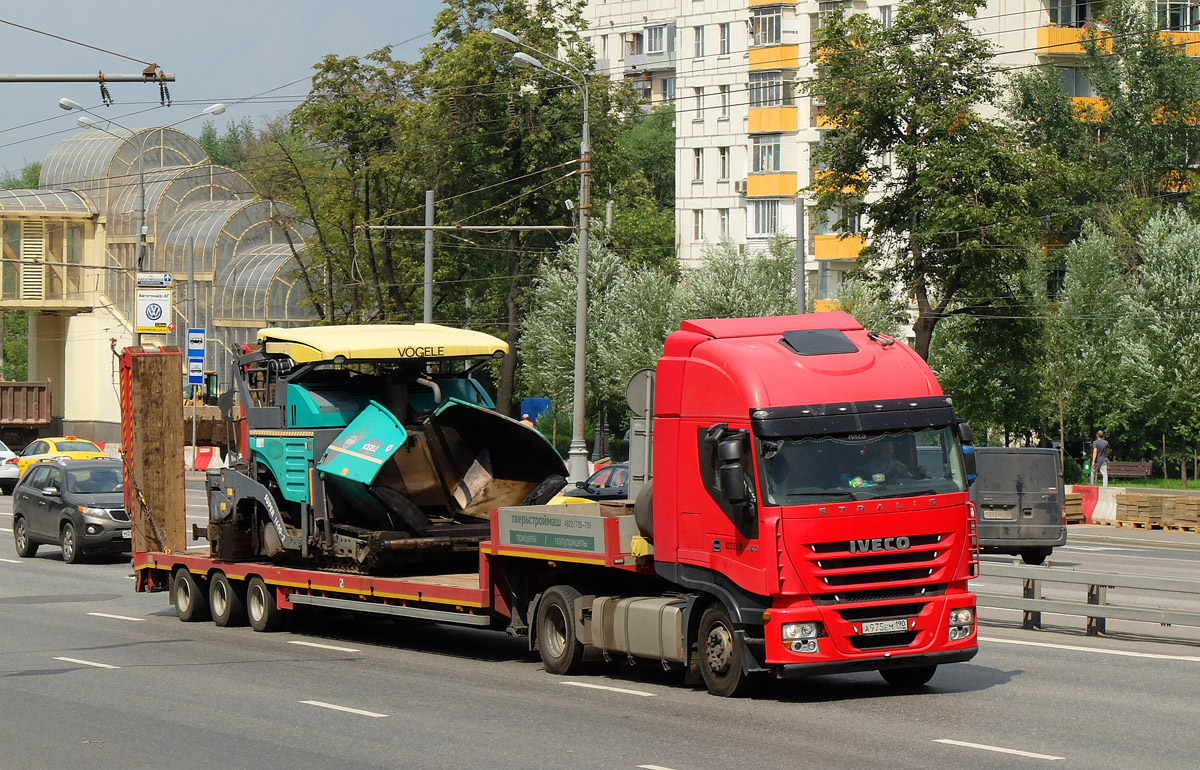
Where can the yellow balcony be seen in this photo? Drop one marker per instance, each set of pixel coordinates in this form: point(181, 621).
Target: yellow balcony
point(771, 184)
point(1188, 41)
point(1060, 40)
point(773, 119)
point(753, 3)
point(1091, 108)
point(838, 247)
point(826, 305)
point(775, 57)
point(820, 179)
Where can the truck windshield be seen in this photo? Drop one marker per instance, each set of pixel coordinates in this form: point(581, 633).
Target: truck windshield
point(899, 463)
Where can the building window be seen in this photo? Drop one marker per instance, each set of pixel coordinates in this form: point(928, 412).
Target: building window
point(723, 91)
point(726, 44)
point(1075, 81)
point(656, 39)
point(668, 89)
point(1068, 13)
point(826, 8)
point(1179, 15)
point(699, 41)
point(723, 214)
point(698, 95)
point(697, 164)
point(885, 16)
point(633, 44)
point(724, 154)
point(766, 217)
point(766, 25)
point(766, 153)
point(768, 89)
point(697, 225)
point(604, 46)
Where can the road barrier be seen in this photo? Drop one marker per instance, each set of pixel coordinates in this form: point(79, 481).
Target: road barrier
point(1096, 607)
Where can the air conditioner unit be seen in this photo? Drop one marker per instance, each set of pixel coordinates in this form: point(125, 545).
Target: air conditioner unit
point(739, 186)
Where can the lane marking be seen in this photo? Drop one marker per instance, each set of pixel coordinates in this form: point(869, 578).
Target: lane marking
point(325, 646)
point(347, 709)
point(653, 767)
point(10, 561)
point(5, 529)
point(985, 747)
point(115, 617)
point(1079, 648)
point(86, 663)
point(610, 689)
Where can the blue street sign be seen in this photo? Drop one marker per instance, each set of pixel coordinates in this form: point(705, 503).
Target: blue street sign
point(195, 352)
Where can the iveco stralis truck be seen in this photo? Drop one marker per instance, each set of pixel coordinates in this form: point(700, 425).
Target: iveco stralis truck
point(803, 510)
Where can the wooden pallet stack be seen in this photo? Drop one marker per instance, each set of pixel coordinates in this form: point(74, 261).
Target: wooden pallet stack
point(1073, 508)
point(1139, 510)
point(1187, 513)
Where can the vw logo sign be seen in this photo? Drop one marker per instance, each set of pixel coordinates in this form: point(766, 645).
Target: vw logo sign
point(154, 311)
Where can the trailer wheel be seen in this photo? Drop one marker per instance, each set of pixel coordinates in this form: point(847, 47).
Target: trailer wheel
point(227, 601)
point(263, 613)
point(189, 597)
point(560, 650)
point(720, 655)
point(908, 677)
point(25, 547)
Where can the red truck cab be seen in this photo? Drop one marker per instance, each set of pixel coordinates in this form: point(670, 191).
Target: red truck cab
point(809, 475)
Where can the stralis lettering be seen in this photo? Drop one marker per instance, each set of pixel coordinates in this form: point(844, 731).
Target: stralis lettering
point(880, 544)
point(422, 351)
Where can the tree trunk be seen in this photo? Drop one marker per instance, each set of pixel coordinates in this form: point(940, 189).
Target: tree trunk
point(508, 366)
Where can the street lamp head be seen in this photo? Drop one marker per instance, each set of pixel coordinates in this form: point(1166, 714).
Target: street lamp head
point(525, 61)
point(69, 104)
point(215, 109)
point(503, 36)
point(86, 122)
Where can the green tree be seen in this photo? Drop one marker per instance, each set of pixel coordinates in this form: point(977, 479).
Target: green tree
point(952, 191)
point(16, 344)
point(876, 309)
point(230, 149)
point(727, 284)
point(28, 179)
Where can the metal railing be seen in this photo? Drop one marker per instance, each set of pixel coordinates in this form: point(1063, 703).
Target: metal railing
point(1096, 607)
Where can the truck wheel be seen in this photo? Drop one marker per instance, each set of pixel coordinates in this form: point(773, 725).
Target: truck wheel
point(560, 650)
point(1034, 555)
point(25, 547)
point(263, 613)
point(191, 601)
point(720, 656)
point(69, 544)
point(227, 601)
point(908, 677)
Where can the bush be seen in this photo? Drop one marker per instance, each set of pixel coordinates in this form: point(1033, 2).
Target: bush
point(1073, 471)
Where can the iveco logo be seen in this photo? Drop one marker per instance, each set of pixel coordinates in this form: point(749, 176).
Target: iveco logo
point(880, 544)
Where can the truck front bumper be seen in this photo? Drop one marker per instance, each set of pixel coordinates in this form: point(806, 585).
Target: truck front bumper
point(793, 670)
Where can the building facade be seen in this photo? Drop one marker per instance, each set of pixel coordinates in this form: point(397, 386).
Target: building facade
point(745, 131)
point(71, 258)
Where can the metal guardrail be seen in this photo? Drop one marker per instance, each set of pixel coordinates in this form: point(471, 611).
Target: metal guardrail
point(1096, 608)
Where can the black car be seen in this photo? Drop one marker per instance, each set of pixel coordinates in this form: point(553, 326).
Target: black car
point(78, 505)
point(609, 483)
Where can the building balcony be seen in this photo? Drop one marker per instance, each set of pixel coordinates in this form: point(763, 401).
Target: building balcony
point(826, 305)
point(1068, 41)
point(650, 62)
point(838, 246)
point(771, 185)
point(775, 57)
point(773, 119)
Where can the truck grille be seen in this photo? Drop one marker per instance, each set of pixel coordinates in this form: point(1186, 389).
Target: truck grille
point(881, 575)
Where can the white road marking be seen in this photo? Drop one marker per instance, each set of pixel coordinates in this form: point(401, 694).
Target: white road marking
point(86, 663)
point(653, 767)
point(1079, 648)
point(115, 617)
point(347, 709)
point(5, 529)
point(985, 747)
point(325, 646)
point(610, 689)
point(1093, 548)
point(10, 561)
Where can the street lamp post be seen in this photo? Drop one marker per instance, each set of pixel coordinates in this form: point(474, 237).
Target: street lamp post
point(577, 456)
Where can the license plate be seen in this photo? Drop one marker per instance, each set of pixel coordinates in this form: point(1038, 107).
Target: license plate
point(1003, 513)
point(127, 533)
point(884, 626)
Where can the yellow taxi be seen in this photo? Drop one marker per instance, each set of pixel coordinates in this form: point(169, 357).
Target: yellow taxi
point(62, 446)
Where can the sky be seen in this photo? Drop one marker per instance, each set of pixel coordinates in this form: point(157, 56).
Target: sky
point(219, 51)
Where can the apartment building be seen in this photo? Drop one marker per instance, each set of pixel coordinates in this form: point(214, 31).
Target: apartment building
point(744, 130)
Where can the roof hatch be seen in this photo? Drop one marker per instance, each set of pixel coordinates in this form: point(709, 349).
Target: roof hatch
point(818, 342)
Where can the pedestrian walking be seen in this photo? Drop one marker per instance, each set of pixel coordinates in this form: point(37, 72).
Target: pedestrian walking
point(1100, 458)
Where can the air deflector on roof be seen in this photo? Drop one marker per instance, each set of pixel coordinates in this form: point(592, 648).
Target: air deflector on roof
point(818, 342)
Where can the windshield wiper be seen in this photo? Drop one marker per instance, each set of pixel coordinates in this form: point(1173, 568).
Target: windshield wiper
point(846, 495)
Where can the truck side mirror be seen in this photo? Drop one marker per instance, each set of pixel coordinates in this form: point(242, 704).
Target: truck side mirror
point(969, 462)
point(965, 434)
point(730, 450)
point(733, 484)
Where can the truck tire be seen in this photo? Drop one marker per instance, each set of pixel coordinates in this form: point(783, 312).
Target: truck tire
point(25, 547)
point(261, 610)
point(189, 597)
point(721, 656)
point(1035, 556)
point(557, 644)
point(908, 677)
point(68, 541)
point(228, 601)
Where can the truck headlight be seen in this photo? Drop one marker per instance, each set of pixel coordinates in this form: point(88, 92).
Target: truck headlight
point(962, 623)
point(805, 630)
